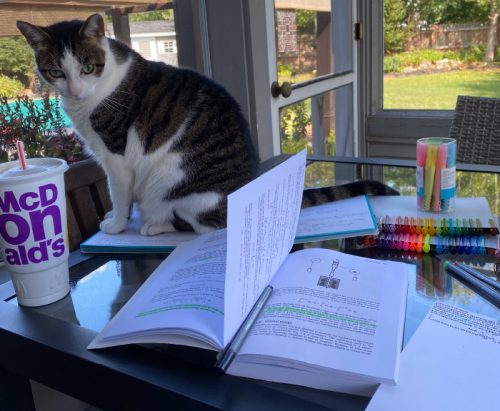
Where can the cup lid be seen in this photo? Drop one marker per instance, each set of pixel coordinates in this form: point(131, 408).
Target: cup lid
point(11, 171)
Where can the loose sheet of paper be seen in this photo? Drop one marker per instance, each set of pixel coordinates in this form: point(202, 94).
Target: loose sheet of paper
point(262, 222)
point(342, 218)
point(184, 295)
point(450, 363)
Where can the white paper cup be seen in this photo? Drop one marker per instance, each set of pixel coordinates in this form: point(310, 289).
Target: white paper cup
point(33, 229)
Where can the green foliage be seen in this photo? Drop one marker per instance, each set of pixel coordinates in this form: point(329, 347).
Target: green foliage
point(284, 70)
point(10, 87)
point(392, 64)
point(473, 54)
point(306, 21)
point(394, 32)
point(295, 120)
point(16, 59)
point(40, 127)
point(397, 63)
point(452, 11)
point(152, 15)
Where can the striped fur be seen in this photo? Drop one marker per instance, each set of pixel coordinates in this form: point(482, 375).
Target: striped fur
point(168, 138)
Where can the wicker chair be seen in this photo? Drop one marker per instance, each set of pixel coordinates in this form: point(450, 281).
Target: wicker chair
point(476, 127)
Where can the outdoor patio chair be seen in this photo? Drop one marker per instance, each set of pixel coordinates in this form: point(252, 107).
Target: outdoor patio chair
point(476, 127)
point(87, 200)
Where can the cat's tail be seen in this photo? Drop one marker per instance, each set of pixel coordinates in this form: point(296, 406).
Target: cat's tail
point(315, 196)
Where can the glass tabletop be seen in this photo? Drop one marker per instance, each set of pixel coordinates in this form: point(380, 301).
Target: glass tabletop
point(102, 284)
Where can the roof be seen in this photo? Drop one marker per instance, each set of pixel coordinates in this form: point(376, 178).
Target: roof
point(144, 27)
point(46, 12)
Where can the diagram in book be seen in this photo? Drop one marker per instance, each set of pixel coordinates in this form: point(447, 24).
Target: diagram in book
point(329, 280)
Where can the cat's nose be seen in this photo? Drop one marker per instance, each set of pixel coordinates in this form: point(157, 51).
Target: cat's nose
point(75, 89)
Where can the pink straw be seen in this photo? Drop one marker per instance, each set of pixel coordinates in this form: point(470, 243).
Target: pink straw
point(20, 154)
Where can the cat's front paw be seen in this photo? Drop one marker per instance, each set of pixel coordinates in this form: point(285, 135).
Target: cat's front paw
point(113, 225)
point(153, 229)
point(108, 215)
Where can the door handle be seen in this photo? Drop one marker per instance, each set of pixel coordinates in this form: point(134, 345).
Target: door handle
point(285, 89)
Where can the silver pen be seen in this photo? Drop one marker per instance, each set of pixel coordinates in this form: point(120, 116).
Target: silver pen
point(232, 348)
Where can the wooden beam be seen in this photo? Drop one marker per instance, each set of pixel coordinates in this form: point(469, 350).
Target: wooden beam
point(121, 26)
point(145, 8)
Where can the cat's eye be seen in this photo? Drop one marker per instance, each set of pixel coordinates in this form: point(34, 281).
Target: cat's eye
point(56, 73)
point(88, 68)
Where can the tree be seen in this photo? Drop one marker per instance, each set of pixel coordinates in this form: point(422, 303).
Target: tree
point(394, 32)
point(491, 43)
point(16, 59)
point(152, 15)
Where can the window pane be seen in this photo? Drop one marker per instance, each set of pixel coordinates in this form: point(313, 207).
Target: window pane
point(304, 33)
point(435, 51)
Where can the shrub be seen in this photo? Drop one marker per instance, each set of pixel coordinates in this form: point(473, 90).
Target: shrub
point(16, 59)
point(392, 64)
point(473, 54)
point(10, 87)
point(40, 127)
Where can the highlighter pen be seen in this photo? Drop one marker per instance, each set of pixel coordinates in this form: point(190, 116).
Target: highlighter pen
point(418, 226)
point(493, 227)
point(479, 226)
point(453, 245)
point(484, 290)
point(421, 161)
point(399, 223)
point(399, 242)
point(442, 153)
point(427, 244)
point(439, 245)
point(406, 242)
point(482, 247)
point(392, 227)
point(472, 227)
point(460, 245)
point(432, 228)
point(430, 171)
point(406, 226)
point(425, 229)
point(412, 225)
point(392, 241)
point(413, 242)
point(446, 248)
point(420, 241)
point(450, 162)
point(468, 247)
point(438, 226)
point(465, 227)
point(458, 230)
point(444, 229)
point(451, 229)
point(474, 244)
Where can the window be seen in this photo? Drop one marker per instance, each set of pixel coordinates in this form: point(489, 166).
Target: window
point(169, 46)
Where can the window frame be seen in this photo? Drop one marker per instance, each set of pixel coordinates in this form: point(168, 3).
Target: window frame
point(388, 133)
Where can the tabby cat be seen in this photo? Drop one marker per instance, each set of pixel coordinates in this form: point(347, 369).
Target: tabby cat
point(168, 138)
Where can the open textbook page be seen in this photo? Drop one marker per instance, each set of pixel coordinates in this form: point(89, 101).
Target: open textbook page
point(182, 301)
point(450, 363)
point(262, 221)
point(334, 321)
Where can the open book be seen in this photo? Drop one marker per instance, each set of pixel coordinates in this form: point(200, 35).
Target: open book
point(333, 321)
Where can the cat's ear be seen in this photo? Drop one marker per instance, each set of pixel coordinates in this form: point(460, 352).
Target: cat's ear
point(34, 34)
point(93, 27)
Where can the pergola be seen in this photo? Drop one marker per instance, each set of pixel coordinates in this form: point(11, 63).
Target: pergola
point(46, 12)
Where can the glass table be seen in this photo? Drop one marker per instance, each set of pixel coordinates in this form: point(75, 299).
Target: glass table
point(48, 344)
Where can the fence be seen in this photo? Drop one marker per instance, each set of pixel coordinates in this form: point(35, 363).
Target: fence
point(455, 36)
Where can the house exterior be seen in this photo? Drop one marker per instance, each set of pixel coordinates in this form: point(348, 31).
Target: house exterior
point(154, 40)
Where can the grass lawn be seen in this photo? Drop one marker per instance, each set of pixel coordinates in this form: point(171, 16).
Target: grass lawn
point(439, 91)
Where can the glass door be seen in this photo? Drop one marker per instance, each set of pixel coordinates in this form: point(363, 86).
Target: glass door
point(309, 64)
